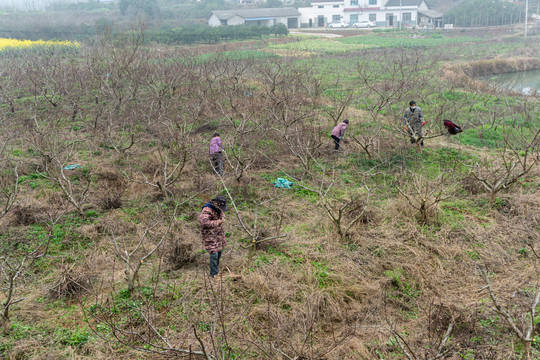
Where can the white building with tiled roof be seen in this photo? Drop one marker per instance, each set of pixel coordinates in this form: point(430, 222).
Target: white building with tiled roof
point(384, 13)
point(321, 13)
point(266, 17)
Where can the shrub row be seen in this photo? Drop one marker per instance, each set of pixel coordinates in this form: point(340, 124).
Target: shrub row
point(209, 34)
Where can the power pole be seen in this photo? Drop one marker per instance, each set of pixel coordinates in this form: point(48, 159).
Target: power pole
point(526, 16)
point(400, 14)
point(537, 16)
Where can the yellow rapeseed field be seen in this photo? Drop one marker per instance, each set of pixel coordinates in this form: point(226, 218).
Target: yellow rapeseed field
point(14, 43)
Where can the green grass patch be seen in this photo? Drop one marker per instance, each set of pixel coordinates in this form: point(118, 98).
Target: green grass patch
point(322, 274)
point(492, 138)
point(405, 40)
point(320, 46)
point(401, 284)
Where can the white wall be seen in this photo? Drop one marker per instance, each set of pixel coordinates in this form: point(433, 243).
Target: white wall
point(328, 11)
point(269, 22)
point(281, 20)
point(213, 20)
point(236, 20)
point(306, 13)
point(363, 4)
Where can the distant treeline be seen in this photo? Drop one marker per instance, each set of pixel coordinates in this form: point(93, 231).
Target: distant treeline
point(472, 13)
point(192, 34)
point(42, 31)
point(208, 34)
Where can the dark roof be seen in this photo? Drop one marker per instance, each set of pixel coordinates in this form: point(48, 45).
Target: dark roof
point(395, 3)
point(256, 13)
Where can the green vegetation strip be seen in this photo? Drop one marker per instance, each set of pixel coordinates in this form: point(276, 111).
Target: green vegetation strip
point(378, 41)
point(356, 43)
point(325, 46)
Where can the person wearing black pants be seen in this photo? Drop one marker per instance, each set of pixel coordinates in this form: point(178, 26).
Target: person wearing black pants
point(336, 142)
point(337, 133)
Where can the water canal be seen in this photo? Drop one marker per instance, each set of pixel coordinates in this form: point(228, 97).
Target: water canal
point(526, 82)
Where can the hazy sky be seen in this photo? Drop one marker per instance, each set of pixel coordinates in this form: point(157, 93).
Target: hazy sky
point(32, 4)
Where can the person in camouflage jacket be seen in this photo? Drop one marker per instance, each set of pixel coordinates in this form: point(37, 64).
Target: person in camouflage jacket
point(211, 221)
point(413, 120)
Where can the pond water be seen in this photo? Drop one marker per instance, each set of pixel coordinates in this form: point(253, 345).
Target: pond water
point(527, 82)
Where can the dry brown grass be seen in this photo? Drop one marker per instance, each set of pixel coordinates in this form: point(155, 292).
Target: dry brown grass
point(309, 294)
point(71, 284)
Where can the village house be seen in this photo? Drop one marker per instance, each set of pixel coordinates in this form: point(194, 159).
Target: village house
point(384, 13)
point(321, 13)
point(266, 17)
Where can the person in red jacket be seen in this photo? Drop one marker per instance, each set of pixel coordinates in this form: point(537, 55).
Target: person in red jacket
point(211, 221)
point(338, 131)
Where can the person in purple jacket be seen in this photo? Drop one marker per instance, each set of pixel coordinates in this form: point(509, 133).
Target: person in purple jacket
point(216, 146)
point(338, 131)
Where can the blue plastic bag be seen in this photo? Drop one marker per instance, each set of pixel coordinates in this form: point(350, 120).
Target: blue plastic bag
point(283, 183)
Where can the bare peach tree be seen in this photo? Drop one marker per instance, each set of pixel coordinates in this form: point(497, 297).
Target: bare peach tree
point(9, 185)
point(339, 96)
point(390, 77)
point(134, 254)
point(388, 80)
point(230, 93)
point(12, 78)
point(338, 209)
point(438, 347)
point(438, 104)
point(207, 325)
point(511, 161)
point(257, 233)
point(290, 94)
point(344, 211)
point(58, 150)
point(17, 258)
point(173, 151)
point(368, 138)
point(300, 333)
point(424, 193)
point(122, 75)
point(304, 141)
point(12, 267)
point(525, 326)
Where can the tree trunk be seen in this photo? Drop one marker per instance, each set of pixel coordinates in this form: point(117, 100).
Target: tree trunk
point(418, 146)
point(4, 321)
point(526, 350)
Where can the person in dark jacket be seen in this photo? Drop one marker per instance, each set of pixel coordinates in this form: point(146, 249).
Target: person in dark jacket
point(413, 120)
point(338, 131)
point(211, 221)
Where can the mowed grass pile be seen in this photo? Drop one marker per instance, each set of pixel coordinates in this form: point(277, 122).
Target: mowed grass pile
point(104, 160)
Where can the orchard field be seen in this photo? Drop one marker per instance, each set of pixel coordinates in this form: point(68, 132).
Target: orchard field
point(385, 250)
